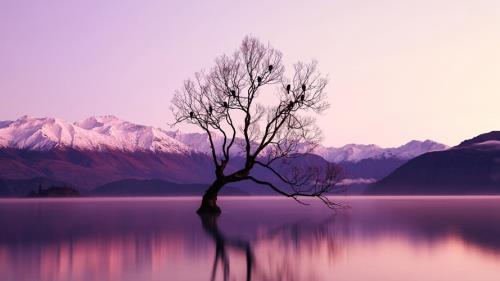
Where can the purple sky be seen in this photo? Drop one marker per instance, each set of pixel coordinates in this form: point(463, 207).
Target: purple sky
point(399, 70)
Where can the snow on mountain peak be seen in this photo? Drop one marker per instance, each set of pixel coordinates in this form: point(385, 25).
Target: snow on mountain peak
point(112, 133)
point(97, 121)
point(347, 153)
point(93, 133)
point(358, 152)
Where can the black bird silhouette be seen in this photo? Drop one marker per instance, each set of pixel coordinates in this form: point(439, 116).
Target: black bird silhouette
point(290, 105)
point(259, 79)
point(233, 93)
point(303, 87)
point(302, 97)
point(288, 87)
point(210, 109)
point(191, 115)
point(270, 67)
point(225, 104)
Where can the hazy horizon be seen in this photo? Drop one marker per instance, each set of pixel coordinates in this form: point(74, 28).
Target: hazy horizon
point(398, 71)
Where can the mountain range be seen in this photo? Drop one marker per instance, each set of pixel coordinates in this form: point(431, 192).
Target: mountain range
point(101, 150)
point(104, 133)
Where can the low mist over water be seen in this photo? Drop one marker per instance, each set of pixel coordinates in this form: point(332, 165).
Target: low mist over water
point(378, 238)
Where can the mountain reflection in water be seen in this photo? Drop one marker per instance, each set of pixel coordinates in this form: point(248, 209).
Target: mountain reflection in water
point(420, 238)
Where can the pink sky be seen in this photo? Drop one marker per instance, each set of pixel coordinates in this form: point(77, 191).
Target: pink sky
point(399, 70)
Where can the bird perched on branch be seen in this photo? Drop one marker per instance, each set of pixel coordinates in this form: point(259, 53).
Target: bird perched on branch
point(270, 67)
point(288, 87)
point(303, 87)
point(191, 115)
point(233, 93)
point(259, 79)
point(210, 109)
point(225, 105)
point(290, 105)
point(302, 97)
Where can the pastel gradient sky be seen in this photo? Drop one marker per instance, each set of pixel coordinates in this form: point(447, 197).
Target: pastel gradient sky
point(399, 69)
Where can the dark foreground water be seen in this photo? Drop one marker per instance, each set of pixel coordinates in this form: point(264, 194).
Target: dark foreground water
point(433, 238)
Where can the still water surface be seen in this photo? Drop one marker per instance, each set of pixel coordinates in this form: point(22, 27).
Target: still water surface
point(398, 238)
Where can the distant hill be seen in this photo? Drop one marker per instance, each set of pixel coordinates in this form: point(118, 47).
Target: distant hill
point(87, 169)
point(369, 170)
point(134, 187)
point(23, 187)
point(55, 191)
point(472, 167)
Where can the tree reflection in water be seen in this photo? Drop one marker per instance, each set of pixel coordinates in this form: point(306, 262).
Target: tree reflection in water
point(305, 235)
point(222, 243)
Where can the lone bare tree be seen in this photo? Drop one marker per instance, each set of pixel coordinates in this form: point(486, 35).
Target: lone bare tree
point(247, 101)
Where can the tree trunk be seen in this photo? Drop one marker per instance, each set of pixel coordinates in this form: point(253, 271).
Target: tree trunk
point(209, 201)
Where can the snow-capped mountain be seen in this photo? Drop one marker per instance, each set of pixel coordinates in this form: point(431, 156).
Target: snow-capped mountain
point(199, 142)
point(346, 153)
point(358, 152)
point(94, 133)
point(111, 133)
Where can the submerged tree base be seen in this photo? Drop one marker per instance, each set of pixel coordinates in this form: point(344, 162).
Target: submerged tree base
point(209, 206)
point(209, 210)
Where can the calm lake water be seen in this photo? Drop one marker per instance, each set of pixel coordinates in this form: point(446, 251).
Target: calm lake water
point(398, 238)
